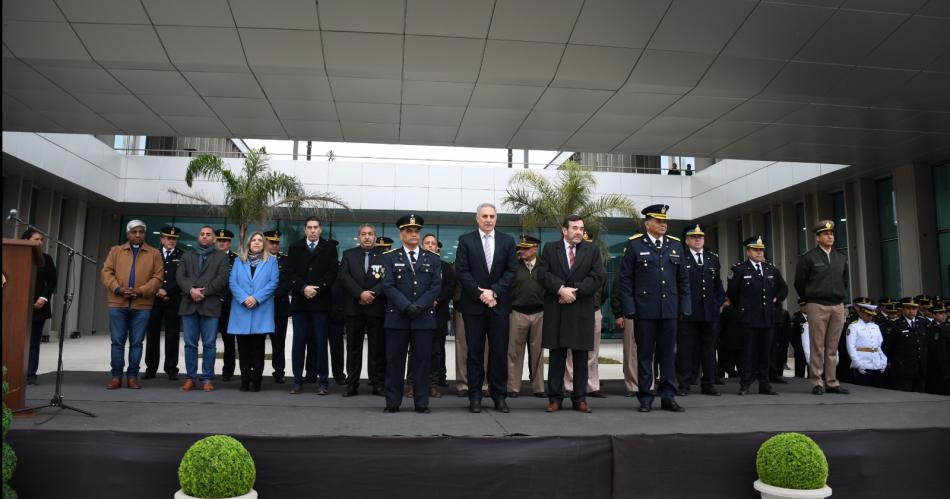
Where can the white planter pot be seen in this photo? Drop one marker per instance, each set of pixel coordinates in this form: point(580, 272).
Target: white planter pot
point(250, 495)
point(772, 492)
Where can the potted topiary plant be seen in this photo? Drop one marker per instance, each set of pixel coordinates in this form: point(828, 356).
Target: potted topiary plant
point(791, 465)
point(216, 467)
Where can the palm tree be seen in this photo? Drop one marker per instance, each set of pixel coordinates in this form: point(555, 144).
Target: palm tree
point(253, 196)
point(545, 203)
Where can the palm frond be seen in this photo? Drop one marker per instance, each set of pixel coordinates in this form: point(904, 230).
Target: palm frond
point(207, 166)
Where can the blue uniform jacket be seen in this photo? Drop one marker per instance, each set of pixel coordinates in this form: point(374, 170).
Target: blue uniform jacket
point(654, 282)
point(754, 296)
point(705, 287)
point(260, 319)
point(404, 286)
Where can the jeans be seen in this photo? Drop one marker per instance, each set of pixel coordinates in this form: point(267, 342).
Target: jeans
point(206, 328)
point(310, 335)
point(127, 325)
point(36, 333)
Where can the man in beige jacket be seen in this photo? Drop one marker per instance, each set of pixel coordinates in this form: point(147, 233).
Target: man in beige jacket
point(132, 274)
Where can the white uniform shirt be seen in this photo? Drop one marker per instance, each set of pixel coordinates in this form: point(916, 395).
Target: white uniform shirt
point(865, 336)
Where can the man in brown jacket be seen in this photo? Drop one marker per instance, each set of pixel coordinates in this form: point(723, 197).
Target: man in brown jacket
point(132, 273)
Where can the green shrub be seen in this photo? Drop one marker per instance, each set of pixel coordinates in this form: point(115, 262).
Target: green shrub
point(216, 466)
point(7, 420)
point(9, 457)
point(9, 462)
point(8, 492)
point(792, 461)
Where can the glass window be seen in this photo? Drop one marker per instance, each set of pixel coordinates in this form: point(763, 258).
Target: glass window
point(841, 221)
point(802, 228)
point(942, 203)
point(767, 235)
point(890, 252)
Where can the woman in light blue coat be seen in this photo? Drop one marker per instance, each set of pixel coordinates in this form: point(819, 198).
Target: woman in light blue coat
point(253, 281)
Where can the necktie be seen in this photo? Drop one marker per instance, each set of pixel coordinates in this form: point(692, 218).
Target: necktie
point(366, 262)
point(489, 250)
point(570, 259)
point(659, 243)
point(312, 246)
point(412, 259)
point(699, 258)
point(758, 269)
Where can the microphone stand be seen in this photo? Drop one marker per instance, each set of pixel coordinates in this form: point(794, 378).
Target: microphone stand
point(57, 400)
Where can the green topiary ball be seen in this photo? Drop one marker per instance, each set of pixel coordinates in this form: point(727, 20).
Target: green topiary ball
point(792, 461)
point(8, 492)
point(9, 462)
point(7, 420)
point(216, 466)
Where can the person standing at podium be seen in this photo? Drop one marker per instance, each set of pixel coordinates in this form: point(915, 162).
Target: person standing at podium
point(43, 290)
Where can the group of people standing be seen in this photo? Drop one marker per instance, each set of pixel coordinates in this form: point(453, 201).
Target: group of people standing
point(508, 296)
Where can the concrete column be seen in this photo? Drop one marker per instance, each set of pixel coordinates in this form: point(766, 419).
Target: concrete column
point(784, 224)
point(73, 230)
point(916, 229)
point(90, 289)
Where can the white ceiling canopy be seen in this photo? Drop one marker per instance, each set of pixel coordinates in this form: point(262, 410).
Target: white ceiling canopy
point(834, 81)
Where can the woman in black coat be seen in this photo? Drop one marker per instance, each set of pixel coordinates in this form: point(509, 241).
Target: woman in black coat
point(42, 294)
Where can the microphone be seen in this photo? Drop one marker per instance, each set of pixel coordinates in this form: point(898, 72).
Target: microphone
point(13, 214)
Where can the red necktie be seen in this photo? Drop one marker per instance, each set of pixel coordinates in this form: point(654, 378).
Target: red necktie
point(570, 262)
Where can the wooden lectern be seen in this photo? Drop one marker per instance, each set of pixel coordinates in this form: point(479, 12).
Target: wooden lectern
point(20, 259)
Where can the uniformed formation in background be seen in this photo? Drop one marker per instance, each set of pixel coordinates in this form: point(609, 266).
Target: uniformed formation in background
point(682, 326)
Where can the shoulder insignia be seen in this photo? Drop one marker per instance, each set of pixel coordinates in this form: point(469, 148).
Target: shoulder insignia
point(714, 254)
point(390, 251)
point(635, 236)
point(673, 238)
point(734, 265)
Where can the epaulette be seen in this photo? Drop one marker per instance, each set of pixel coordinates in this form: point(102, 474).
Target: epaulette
point(635, 236)
point(734, 265)
point(714, 254)
point(673, 238)
point(390, 251)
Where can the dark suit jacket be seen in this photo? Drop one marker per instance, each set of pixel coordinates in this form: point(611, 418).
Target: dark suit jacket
point(472, 272)
point(44, 286)
point(213, 277)
point(169, 278)
point(445, 296)
point(405, 285)
point(706, 292)
point(311, 269)
point(753, 294)
point(353, 281)
point(570, 325)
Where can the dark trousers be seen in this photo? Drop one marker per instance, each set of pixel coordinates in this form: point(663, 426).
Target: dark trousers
point(309, 345)
point(397, 348)
point(36, 334)
point(696, 340)
point(495, 327)
point(335, 338)
point(869, 378)
point(438, 353)
point(779, 351)
point(163, 315)
point(800, 362)
point(756, 356)
point(358, 327)
point(251, 356)
point(556, 375)
point(278, 342)
point(655, 337)
point(230, 351)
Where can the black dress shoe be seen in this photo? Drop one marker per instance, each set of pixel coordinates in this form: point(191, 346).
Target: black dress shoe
point(475, 406)
point(501, 406)
point(279, 379)
point(172, 376)
point(462, 393)
point(391, 409)
point(423, 410)
point(148, 375)
point(513, 395)
point(838, 389)
point(778, 379)
point(818, 390)
point(645, 407)
point(671, 405)
point(377, 390)
point(541, 395)
point(597, 395)
point(743, 390)
point(350, 392)
point(297, 388)
point(710, 391)
point(767, 390)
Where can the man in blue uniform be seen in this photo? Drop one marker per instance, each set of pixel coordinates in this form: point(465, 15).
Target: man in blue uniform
point(411, 281)
point(165, 311)
point(755, 286)
point(697, 332)
point(654, 293)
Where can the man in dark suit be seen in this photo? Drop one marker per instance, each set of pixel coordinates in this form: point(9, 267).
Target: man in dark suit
point(411, 281)
point(755, 286)
point(486, 265)
point(697, 332)
point(165, 311)
point(654, 293)
point(43, 288)
point(572, 272)
point(223, 239)
point(278, 339)
point(361, 283)
point(312, 270)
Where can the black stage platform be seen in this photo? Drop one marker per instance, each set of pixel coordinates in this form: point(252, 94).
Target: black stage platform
point(879, 443)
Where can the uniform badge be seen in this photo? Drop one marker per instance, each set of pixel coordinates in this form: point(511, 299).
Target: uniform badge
point(377, 271)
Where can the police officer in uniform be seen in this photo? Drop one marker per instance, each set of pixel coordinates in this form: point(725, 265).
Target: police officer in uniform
point(165, 310)
point(223, 239)
point(755, 286)
point(411, 281)
point(278, 339)
point(906, 348)
point(698, 331)
point(655, 293)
